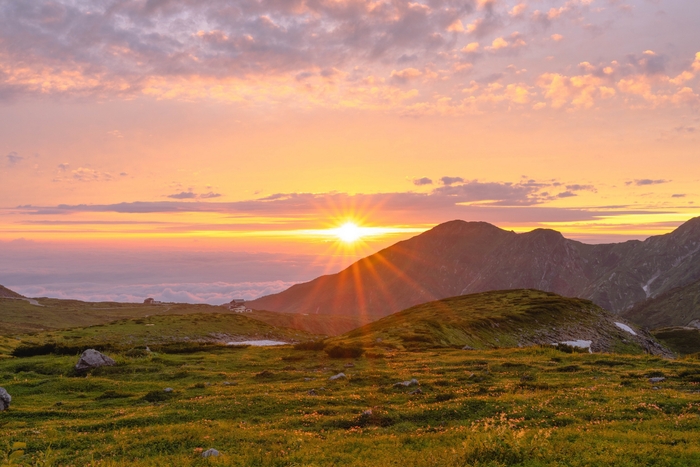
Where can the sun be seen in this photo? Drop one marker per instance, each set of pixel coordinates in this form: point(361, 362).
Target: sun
point(348, 232)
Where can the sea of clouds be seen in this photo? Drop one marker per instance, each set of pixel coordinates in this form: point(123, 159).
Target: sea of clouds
point(123, 275)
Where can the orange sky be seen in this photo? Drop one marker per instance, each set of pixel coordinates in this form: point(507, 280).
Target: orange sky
point(250, 126)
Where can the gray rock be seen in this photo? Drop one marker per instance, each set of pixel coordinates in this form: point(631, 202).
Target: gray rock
point(91, 358)
point(168, 389)
point(312, 392)
point(230, 383)
point(5, 399)
point(211, 453)
point(657, 379)
point(416, 391)
point(466, 347)
point(308, 379)
point(367, 412)
point(413, 382)
point(338, 376)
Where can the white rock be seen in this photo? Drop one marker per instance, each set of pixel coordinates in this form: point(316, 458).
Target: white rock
point(338, 376)
point(413, 382)
point(5, 399)
point(210, 453)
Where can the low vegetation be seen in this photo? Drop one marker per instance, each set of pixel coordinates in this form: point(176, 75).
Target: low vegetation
point(276, 407)
point(20, 316)
point(682, 340)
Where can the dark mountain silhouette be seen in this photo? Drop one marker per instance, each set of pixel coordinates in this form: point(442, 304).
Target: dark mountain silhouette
point(458, 258)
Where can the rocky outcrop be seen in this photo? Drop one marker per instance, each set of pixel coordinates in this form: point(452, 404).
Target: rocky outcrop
point(91, 359)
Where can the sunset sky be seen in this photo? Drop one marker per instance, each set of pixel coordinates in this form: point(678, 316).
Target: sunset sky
point(191, 150)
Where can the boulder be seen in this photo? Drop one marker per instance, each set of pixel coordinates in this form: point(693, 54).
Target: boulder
point(210, 453)
point(91, 359)
point(5, 399)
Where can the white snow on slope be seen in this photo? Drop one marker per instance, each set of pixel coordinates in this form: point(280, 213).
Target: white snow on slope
point(624, 327)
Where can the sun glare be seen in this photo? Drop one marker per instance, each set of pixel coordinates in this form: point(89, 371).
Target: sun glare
point(349, 232)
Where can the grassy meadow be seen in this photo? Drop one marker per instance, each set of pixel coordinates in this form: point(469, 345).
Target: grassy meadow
point(532, 407)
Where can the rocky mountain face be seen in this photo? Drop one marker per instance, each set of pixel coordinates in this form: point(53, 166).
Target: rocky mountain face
point(458, 258)
point(679, 306)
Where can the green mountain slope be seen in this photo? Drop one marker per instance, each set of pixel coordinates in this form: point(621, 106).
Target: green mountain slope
point(677, 307)
point(511, 318)
point(20, 316)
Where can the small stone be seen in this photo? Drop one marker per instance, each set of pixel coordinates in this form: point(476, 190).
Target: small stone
point(416, 391)
point(210, 453)
point(466, 347)
point(657, 379)
point(338, 376)
point(91, 358)
point(349, 365)
point(168, 390)
point(5, 399)
point(413, 382)
point(367, 413)
point(308, 379)
point(312, 392)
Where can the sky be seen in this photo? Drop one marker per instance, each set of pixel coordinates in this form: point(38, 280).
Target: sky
point(201, 150)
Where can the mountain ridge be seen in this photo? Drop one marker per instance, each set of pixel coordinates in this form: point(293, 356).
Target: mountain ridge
point(459, 257)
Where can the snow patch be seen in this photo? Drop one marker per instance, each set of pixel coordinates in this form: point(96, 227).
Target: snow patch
point(259, 343)
point(645, 287)
point(624, 327)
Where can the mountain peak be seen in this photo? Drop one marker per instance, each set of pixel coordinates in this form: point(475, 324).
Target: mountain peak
point(459, 257)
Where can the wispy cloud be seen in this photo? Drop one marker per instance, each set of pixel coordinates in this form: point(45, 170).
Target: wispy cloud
point(192, 195)
point(647, 181)
point(13, 158)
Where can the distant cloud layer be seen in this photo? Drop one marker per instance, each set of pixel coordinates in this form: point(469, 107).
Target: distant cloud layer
point(424, 57)
point(38, 270)
point(526, 200)
point(215, 293)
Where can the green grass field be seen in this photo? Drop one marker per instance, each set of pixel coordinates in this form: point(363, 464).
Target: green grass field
point(530, 407)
